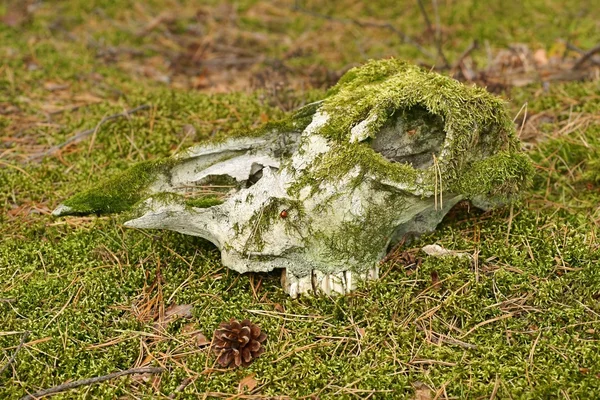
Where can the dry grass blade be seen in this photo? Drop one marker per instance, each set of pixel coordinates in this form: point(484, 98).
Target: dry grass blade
point(489, 321)
point(284, 315)
point(221, 395)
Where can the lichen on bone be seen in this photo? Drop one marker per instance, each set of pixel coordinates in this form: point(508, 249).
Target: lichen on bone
point(324, 193)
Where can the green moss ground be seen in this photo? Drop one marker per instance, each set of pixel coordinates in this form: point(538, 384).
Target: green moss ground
point(88, 290)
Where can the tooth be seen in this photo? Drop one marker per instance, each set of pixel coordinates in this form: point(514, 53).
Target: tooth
point(374, 272)
point(326, 284)
point(350, 284)
point(293, 290)
point(283, 279)
point(291, 285)
point(305, 284)
point(320, 282)
point(317, 281)
point(337, 283)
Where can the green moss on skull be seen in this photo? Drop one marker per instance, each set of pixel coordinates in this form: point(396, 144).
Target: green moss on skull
point(277, 210)
point(127, 188)
point(476, 125)
point(122, 191)
point(294, 122)
point(361, 242)
point(204, 202)
point(502, 175)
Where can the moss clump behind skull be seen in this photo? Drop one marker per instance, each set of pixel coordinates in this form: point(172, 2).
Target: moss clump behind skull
point(374, 93)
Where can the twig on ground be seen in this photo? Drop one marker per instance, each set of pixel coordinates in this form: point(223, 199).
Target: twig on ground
point(586, 56)
point(571, 46)
point(438, 42)
point(14, 356)
point(219, 395)
point(83, 134)
point(365, 24)
point(90, 381)
point(185, 383)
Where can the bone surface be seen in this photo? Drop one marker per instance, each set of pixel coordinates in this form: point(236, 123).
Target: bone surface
point(325, 193)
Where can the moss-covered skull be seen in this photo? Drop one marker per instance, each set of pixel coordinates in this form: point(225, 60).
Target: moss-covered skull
point(327, 191)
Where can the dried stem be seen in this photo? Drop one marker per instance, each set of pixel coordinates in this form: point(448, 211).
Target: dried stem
point(7, 300)
point(185, 383)
point(91, 381)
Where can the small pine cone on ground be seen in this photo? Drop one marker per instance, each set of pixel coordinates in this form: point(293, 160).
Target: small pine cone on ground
point(238, 343)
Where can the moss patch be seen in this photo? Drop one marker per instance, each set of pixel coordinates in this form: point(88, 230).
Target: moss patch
point(121, 192)
point(204, 202)
point(476, 125)
point(90, 292)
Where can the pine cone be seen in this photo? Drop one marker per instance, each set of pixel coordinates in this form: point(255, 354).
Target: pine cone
point(238, 343)
point(408, 259)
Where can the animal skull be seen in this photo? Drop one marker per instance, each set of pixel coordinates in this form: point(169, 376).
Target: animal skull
point(326, 192)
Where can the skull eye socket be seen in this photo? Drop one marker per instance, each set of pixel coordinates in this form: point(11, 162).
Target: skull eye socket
point(412, 136)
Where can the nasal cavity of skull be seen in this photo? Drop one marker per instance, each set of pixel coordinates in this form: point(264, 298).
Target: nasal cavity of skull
point(411, 136)
point(256, 173)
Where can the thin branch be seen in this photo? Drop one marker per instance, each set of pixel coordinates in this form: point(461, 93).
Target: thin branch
point(91, 381)
point(83, 134)
point(14, 356)
point(459, 68)
point(425, 16)
point(474, 46)
point(366, 24)
point(438, 24)
point(586, 56)
point(438, 42)
point(571, 46)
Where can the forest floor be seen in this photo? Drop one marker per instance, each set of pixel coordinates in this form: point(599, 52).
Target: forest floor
point(84, 297)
